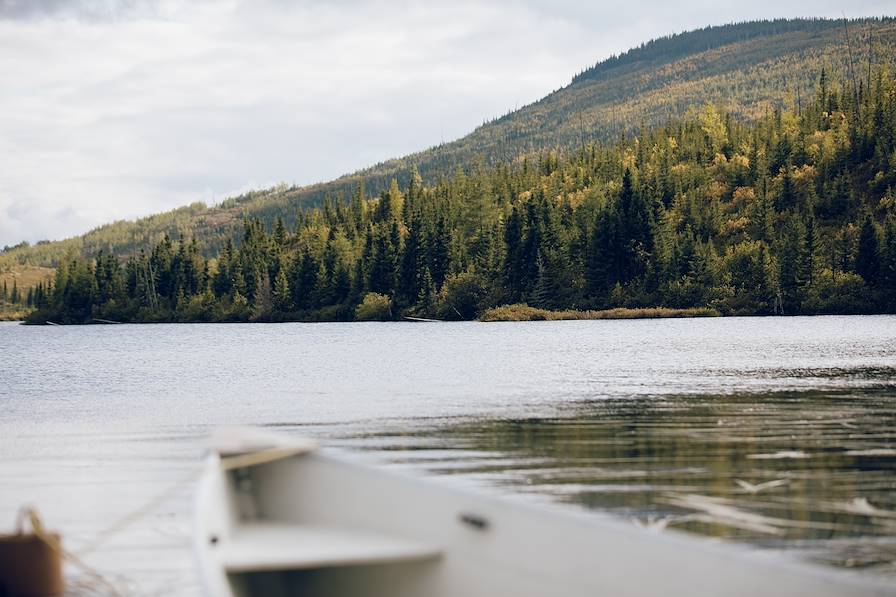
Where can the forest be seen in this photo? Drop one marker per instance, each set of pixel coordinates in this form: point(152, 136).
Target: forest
point(791, 212)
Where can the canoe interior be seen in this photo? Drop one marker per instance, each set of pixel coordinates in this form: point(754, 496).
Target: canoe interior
point(440, 542)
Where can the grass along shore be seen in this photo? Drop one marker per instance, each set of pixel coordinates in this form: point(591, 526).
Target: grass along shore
point(523, 312)
point(13, 315)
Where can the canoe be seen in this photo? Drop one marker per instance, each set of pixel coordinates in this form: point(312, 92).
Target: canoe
point(278, 516)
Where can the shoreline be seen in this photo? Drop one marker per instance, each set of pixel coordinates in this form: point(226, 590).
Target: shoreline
point(503, 314)
point(523, 312)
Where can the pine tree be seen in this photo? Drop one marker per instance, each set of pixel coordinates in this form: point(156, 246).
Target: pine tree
point(282, 295)
point(342, 285)
point(408, 275)
point(868, 255)
point(280, 233)
point(263, 301)
point(513, 260)
point(383, 264)
point(605, 257)
point(439, 251)
point(888, 265)
point(222, 282)
point(811, 254)
point(545, 290)
point(792, 261)
point(787, 196)
point(238, 286)
point(304, 281)
point(635, 230)
point(426, 294)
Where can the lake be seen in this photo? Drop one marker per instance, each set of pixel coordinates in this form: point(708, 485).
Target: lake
point(777, 432)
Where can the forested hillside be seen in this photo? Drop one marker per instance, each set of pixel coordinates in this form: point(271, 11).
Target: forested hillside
point(790, 212)
point(749, 69)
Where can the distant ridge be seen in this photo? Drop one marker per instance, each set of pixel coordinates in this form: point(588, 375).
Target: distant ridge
point(676, 45)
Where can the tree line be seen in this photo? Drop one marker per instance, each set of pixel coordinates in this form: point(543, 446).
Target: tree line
point(790, 213)
point(27, 298)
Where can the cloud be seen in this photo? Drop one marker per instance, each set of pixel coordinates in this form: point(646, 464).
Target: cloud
point(113, 109)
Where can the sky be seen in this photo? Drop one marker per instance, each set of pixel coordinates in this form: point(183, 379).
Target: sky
point(115, 109)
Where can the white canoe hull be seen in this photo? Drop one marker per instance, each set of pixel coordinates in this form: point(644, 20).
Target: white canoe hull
point(321, 523)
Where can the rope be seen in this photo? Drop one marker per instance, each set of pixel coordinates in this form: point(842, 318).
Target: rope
point(52, 542)
point(30, 514)
point(137, 514)
point(226, 464)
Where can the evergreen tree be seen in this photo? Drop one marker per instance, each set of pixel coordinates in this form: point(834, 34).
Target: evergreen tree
point(263, 301)
point(868, 255)
point(382, 266)
point(811, 253)
point(792, 262)
point(439, 247)
point(409, 270)
point(605, 257)
point(280, 233)
point(513, 261)
point(635, 230)
point(304, 281)
point(282, 295)
point(426, 294)
point(543, 289)
point(888, 265)
point(787, 196)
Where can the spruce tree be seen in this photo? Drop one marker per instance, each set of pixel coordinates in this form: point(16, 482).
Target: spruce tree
point(408, 274)
point(263, 301)
point(282, 296)
point(792, 263)
point(426, 294)
point(888, 264)
point(513, 260)
point(280, 233)
point(868, 255)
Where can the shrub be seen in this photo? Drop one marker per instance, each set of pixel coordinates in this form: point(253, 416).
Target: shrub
point(462, 296)
point(374, 307)
point(523, 312)
point(841, 293)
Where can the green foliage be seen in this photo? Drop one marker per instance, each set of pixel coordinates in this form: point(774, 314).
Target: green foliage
point(838, 293)
point(374, 307)
point(868, 253)
point(463, 296)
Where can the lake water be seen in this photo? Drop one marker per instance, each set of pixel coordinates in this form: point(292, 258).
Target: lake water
point(779, 432)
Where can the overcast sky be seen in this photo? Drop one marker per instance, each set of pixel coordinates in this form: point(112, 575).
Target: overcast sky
point(113, 109)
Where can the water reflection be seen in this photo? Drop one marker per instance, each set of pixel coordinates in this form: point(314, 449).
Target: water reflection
point(810, 471)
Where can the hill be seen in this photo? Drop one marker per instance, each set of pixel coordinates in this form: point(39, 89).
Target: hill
point(793, 212)
point(749, 68)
